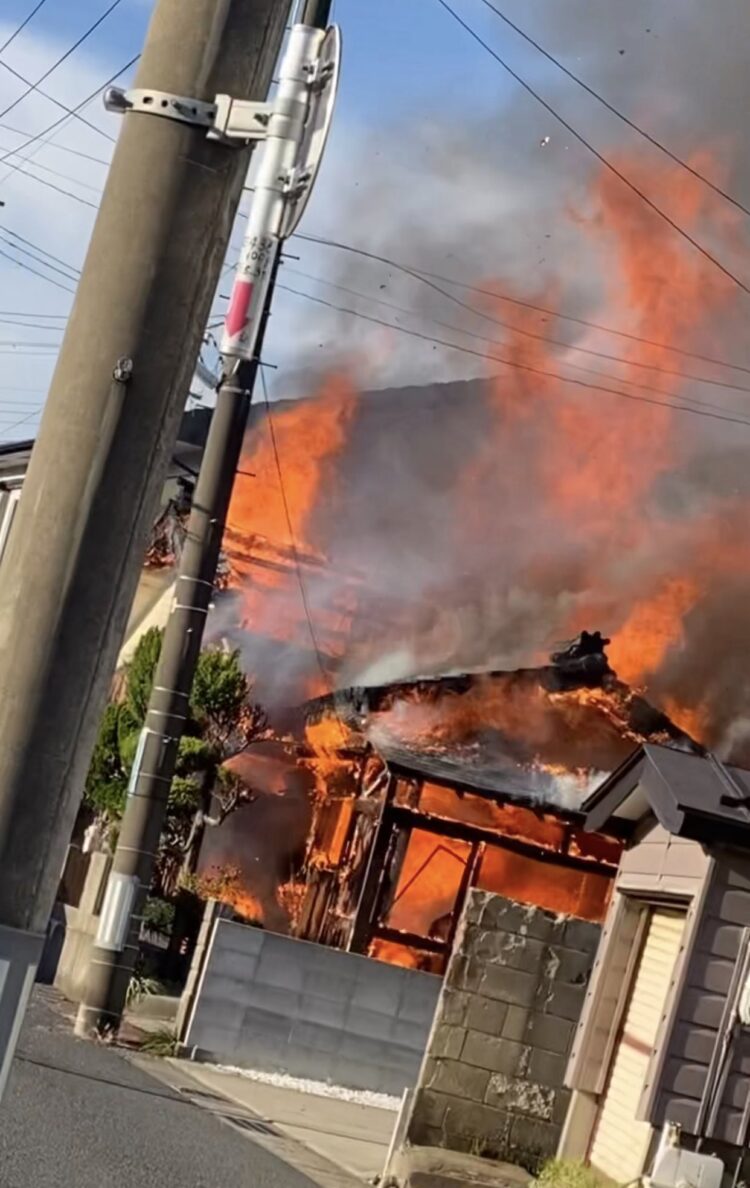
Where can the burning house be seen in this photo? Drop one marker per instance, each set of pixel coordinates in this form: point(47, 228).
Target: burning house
point(471, 781)
point(401, 562)
point(416, 792)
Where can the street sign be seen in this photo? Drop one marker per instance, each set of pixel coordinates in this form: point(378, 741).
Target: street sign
point(316, 130)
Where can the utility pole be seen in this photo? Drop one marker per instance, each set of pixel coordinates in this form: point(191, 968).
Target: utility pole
point(71, 567)
point(281, 181)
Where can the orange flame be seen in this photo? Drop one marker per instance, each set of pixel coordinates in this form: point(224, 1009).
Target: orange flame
point(653, 627)
point(270, 540)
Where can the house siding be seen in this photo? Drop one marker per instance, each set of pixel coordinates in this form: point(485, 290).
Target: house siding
point(664, 865)
point(700, 1010)
point(657, 865)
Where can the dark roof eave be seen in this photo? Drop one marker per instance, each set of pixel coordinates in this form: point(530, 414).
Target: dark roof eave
point(603, 803)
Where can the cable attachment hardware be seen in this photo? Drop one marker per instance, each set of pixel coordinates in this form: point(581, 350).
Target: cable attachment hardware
point(161, 103)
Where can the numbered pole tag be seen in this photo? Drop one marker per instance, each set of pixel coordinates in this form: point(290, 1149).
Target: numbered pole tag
point(245, 313)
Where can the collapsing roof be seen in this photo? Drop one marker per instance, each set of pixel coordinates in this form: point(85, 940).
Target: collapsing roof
point(550, 732)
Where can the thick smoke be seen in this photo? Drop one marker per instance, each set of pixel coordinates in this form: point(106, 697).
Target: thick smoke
point(484, 189)
point(481, 520)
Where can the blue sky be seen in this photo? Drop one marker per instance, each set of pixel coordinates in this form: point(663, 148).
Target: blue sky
point(402, 61)
point(395, 49)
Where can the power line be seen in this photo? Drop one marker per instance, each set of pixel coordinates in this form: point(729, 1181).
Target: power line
point(69, 111)
point(62, 148)
point(30, 243)
point(18, 168)
point(22, 421)
point(293, 544)
point(46, 95)
point(28, 268)
point(570, 346)
point(11, 342)
point(22, 26)
point(28, 325)
point(514, 363)
point(615, 110)
point(492, 342)
point(17, 247)
point(76, 44)
point(448, 280)
point(599, 156)
point(54, 172)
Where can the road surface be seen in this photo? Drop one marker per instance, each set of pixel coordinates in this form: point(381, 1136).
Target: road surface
point(79, 1115)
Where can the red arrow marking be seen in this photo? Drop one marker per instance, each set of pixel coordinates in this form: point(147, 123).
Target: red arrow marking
point(236, 319)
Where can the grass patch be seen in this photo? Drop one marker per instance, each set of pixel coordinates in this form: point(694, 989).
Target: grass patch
point(160, 1043)
point(570, 1173)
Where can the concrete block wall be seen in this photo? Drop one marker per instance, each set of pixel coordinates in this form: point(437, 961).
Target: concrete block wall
point(492, 1080)
point(276, 1004)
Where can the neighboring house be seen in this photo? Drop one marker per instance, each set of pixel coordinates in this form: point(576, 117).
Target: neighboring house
point(664, 1036)
point(153, 596)
point(14, 459)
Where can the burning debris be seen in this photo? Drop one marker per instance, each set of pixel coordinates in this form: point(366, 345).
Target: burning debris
point(548, 731)
point(168, 534)
point(418, 790)
point(170, 529)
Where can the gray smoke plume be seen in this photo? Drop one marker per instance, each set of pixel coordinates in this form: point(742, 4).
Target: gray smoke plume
point(446, 500)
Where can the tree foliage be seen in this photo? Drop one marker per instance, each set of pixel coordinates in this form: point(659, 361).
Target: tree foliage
point(223, 722)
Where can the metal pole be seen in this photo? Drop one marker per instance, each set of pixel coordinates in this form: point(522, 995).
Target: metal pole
point(71, 567)
point(315, 13)
point(116, 948)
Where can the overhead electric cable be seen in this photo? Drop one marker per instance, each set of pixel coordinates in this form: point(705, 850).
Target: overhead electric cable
point(22, 26)
point(62, 148)
point(53, 172)
point(514, 363)
point(28, 268)
point(412, 270)
point(33, 86)
point(615, 110)
point(599, 155)
point(557, 342)
point(38, 248)
point(69, 112)
point(325, 675)
point(413, 313)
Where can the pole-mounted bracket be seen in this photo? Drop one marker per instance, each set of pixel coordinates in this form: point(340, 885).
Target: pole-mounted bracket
point(161, 103)
point(225, 119)
point(245, 120)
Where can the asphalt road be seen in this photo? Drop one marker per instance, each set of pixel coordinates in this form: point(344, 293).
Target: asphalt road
point(78, 1115)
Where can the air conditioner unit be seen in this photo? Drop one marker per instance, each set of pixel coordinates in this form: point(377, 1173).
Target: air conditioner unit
point(676, 1168)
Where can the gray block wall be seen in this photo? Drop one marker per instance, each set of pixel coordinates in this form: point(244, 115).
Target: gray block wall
point(492, 1080)
point(276, 1004)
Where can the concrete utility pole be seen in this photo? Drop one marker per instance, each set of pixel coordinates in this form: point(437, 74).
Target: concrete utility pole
point(116, 949)
point(71, 567)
